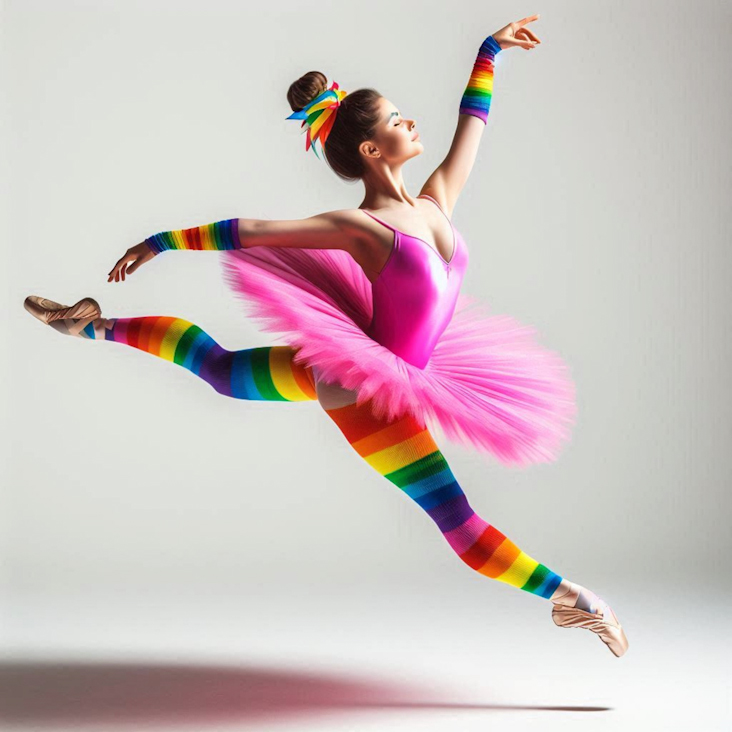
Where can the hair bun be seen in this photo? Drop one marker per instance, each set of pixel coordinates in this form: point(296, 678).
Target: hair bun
point(305, 89)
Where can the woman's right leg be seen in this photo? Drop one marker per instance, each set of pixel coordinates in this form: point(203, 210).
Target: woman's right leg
point(404, 452)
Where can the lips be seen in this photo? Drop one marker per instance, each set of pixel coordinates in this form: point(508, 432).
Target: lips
point(416, 137)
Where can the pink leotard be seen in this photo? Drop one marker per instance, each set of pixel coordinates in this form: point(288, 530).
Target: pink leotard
point(415, 293)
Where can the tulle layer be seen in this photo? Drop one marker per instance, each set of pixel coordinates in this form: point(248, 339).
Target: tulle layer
point(489, 384)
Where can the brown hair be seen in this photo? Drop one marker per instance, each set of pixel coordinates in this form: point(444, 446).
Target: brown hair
point(355, 121)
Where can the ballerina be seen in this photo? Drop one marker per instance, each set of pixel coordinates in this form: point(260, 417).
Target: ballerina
point(376, 329)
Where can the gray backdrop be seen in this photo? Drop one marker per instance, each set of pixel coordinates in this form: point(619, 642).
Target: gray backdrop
point(594, 212)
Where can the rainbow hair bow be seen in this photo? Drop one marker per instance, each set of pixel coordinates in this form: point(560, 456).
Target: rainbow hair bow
point(319, 115)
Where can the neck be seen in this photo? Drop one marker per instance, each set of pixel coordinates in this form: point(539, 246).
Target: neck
point(385, 188)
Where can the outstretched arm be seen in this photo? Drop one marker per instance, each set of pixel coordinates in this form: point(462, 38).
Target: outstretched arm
point(322, 231)
point(330, 230)
point(448, 180)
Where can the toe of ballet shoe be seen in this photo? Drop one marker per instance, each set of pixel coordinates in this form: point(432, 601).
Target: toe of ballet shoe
point(38, 307)
point(604, 625)
point(615, 639)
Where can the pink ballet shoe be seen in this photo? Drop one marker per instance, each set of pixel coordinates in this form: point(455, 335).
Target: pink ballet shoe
point(68, 319)
point(604, 623)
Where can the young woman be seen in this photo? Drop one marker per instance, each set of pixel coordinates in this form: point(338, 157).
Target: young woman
point(377, 331)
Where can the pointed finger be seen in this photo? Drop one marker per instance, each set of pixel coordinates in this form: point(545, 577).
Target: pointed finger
point(528, 19)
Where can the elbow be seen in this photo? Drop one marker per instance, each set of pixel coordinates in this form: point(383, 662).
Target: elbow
point(247, 229)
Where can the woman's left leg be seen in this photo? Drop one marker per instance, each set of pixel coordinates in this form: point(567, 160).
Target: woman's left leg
point(266, 373)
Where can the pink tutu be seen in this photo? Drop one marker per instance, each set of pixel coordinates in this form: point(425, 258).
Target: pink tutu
point(488, 383)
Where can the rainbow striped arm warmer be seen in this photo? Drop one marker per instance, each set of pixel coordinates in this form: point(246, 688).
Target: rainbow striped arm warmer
point(476, 99)
point(217, 236)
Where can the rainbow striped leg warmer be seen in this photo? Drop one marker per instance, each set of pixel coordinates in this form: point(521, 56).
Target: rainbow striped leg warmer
point(268, 373)
point(476, 99)
point(217, 236)
point(404, 452)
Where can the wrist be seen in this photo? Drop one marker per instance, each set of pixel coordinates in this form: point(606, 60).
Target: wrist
point(490, 46)
point(151, 246)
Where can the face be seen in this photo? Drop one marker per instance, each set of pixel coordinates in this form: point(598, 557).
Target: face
point(395, 139)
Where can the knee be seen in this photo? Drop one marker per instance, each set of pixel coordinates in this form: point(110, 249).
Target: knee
point(216, 370)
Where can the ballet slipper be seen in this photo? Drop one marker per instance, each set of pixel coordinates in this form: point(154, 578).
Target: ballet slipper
point(66, 319)
point(603, 623)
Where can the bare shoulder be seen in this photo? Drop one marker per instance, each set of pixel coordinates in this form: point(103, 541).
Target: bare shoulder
point(438, 193)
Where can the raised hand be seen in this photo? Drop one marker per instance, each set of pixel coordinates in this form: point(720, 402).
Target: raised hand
point(134, 257)
point(516, 34)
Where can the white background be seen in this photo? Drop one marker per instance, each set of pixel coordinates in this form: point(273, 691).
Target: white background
point(147, 517)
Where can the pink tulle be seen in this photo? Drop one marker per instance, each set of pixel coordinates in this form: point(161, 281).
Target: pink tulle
point(488, 384)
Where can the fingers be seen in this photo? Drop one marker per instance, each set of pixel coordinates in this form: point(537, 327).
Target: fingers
point(119, 269)
point(116, 266)
point(116, 274)
point(525, 40)
point(523, 36)
point(527, 33)
point(527, 45)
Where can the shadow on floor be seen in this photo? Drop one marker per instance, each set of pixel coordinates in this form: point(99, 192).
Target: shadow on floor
point(87, 693)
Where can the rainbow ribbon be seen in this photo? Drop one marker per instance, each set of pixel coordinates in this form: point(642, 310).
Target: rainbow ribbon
point(318, 116)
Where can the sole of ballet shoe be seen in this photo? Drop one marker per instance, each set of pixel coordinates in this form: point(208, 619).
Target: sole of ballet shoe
point(605, 625)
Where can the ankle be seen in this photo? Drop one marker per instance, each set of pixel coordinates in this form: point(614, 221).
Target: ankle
point(574, 595)
point(101, 326)
point(564, 593)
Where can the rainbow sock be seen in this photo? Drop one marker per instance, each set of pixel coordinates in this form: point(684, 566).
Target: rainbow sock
point(476, 99)
point(268, 373)
point(404, 452)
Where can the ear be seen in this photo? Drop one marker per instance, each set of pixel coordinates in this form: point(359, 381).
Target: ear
point(369, 150)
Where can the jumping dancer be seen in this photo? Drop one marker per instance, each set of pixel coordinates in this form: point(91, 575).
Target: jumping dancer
point(377, 331)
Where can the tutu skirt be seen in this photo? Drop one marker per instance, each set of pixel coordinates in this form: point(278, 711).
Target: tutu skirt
point(488, 384)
